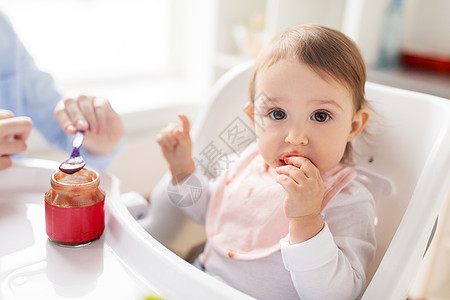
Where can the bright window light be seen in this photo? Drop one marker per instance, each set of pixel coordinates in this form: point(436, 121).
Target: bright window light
point(85, 40)
point(137, 53)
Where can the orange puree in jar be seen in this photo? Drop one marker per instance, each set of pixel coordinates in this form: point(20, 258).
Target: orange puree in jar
point(74, 208)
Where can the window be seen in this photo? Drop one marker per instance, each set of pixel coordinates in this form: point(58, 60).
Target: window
point(137, 53)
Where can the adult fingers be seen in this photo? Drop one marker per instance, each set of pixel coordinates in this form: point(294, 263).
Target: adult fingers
point(87, 106)
point(17, 128)
point(69, 116)
point(5, 162)
point(14, 133)
point(5, 114)
point(64, 118)
point(12, 147)
point(103, 111)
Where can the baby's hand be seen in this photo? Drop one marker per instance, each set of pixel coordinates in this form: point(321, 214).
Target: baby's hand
point(304, 188)
point(176, 145)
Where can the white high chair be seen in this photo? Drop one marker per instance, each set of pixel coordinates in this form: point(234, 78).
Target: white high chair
point(411, 148)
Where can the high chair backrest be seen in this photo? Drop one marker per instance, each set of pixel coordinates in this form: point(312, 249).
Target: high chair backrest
point(223, 128)
point(409, 148)
point(412, 149)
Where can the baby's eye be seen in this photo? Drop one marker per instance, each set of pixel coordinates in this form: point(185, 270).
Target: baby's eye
point(277, 114)
point(320, 116)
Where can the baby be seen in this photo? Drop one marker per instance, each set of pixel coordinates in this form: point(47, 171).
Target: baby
point(290, 219)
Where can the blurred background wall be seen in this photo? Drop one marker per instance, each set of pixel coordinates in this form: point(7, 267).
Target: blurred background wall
point(153, 59)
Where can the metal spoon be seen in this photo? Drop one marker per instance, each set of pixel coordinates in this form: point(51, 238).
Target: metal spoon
point(75, 162)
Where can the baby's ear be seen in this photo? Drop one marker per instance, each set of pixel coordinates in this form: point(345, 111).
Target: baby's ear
point(359, 121)
point(250, 110)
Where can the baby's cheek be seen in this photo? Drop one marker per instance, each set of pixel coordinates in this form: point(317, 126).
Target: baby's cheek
point(327, 160)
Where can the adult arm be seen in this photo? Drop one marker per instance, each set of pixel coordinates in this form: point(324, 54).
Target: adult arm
point(27, 90)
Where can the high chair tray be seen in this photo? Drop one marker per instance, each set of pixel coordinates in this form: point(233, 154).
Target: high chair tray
point(125, 263)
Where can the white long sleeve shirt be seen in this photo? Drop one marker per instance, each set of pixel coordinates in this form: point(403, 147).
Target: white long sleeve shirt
point(331, 265)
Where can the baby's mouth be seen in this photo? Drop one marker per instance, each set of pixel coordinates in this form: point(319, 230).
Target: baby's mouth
point(281, 162)
point(284, 159)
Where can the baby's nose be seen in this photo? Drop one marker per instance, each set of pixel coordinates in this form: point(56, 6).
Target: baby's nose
point(296, 137)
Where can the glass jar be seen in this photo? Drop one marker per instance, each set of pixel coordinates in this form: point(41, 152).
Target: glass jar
point(74, 208)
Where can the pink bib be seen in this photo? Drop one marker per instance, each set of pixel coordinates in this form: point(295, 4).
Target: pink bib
point(245, 218)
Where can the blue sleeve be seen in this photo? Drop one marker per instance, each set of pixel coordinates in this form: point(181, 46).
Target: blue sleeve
point(102, 162)
point(28, 91)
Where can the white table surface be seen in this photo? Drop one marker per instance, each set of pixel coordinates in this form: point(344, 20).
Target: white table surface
point(32, 267)
point(125, 263)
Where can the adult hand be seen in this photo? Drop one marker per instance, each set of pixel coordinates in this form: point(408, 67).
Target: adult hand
point(14, 131)
point(102, 125)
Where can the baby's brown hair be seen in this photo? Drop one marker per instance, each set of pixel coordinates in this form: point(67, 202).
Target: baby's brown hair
point(329, 52)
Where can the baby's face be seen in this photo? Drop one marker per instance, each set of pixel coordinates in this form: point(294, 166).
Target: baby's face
point(299, 113)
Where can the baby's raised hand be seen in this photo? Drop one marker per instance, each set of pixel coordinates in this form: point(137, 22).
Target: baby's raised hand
point(176, 145)
point(304, 188)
